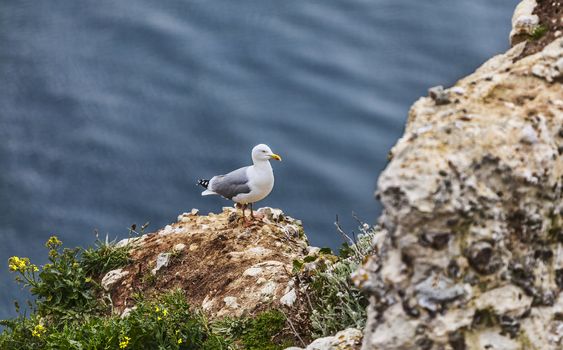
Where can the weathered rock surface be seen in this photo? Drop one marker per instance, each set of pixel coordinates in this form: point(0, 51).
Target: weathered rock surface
point(112, 277)
point(348, 339)
point(225, 267)
point(524, 22)
point(538, 23)
point(471, 250)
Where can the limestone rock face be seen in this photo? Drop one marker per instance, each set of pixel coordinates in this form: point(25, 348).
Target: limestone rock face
point(224, 266)
point(348, 339)
point(471, 254)
point(112, 277)
point(524, 22)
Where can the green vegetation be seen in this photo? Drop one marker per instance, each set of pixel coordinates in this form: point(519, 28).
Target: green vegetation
point(104, 257)
point(539, 32)
point(69, 312)
point(335, 302)
point(62, 288)
point(166, 323)
point(257, 333)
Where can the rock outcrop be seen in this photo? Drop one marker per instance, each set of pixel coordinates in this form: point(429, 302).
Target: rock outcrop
point(537, 23)
point(471, 251)
point(225, 267)
point(348, 339)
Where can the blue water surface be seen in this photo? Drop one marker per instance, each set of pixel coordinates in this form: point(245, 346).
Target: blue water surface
point(111, 110)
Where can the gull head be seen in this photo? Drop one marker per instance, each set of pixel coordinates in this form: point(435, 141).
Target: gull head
point(262, 152)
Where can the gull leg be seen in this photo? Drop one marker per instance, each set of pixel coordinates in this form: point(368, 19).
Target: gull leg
point(237, 207)
point(247, 223)
point(251, 212)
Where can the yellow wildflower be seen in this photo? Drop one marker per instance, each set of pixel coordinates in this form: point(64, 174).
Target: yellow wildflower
point(53, 243)
point(124, 342)
point(164, 312)
point(180, 341)
point(38, 331)
point(159, 318)
point(20, 264)
point(156, 309)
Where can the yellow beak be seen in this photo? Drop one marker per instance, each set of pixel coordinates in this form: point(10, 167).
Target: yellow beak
point(275, 156)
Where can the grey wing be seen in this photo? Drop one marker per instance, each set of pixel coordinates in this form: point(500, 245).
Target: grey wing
point(231, 184)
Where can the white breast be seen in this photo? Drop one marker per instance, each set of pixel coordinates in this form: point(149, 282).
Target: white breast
point(261, 183)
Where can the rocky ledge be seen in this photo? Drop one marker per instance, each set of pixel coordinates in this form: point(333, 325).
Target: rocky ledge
point(470, 254)
point(226, 267)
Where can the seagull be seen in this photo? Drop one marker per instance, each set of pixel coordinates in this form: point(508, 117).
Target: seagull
point(248, 184)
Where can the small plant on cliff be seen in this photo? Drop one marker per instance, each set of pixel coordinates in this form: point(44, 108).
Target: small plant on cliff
point(62, 287)
point(256, 333)
point(539, 32)
point(335, 302)
point(107, 255)
point(104, 256)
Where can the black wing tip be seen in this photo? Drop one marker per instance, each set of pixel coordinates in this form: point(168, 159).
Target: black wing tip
point(203, 183)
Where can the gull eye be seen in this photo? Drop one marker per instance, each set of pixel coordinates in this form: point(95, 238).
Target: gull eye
point(263, 151)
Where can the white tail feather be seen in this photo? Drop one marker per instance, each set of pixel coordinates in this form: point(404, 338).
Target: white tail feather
point(207, 193)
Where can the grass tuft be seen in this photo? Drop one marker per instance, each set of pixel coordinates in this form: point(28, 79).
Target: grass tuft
point(539, 32)
point(260, 332)
point(104, 256)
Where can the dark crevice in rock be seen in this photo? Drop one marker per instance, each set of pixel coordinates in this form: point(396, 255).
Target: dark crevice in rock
point(457, 340)
point(482, 258)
